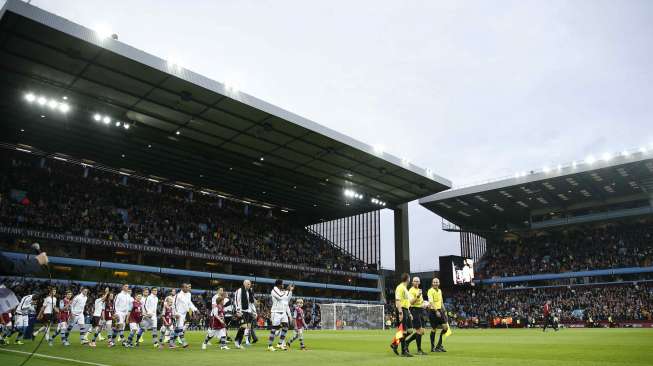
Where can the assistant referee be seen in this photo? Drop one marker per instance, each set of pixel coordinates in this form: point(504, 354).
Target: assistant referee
point(437, 314)
point(402, 303)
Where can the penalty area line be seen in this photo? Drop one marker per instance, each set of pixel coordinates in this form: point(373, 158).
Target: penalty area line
point(54, 357)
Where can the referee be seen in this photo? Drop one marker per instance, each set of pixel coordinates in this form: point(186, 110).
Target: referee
point(437, 314)
point(402, 304)
point(417, 313)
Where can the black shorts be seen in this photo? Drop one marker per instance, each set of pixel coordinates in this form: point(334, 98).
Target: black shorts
point(405, 320)
point(48, 318)
point(418, 317)
point(245, 319)
point(436, 319)
point(96, 321)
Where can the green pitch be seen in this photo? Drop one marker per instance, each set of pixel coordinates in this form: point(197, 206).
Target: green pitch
point(465, 347)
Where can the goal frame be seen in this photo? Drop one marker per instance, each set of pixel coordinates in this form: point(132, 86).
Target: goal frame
point(335, 317)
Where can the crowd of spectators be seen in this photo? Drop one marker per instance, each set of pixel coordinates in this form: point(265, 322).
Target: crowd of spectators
point(201, 300)
point(60, 197)
point(610, 246)
point(619, 303)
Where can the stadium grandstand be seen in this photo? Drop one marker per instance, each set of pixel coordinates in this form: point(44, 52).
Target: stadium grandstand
point(126, 167)
point(580, 235)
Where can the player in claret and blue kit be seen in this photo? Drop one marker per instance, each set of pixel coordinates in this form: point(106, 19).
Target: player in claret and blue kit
point(300, 324)
point(135, 318)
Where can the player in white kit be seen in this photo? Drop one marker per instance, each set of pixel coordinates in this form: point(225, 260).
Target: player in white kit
point(150, 305)
point(122, 304)
point(47, 313)
point(98, 322)
point(181, 306)
point(26, 306)
point(77, 306)
point(279, 313)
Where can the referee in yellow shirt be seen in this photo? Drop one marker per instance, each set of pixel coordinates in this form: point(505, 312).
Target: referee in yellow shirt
point(402, 303)
point(417, 312)
point(437, 314)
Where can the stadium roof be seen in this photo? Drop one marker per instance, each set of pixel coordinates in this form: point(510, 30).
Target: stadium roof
point(584, 188)
point(183, 126)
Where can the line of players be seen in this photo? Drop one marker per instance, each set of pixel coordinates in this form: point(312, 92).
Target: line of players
point(412, 311)
point(114, 313)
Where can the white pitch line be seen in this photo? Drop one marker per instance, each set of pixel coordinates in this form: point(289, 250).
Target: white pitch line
point(54, 357)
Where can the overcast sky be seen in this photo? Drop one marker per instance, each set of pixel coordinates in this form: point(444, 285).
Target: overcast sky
point(471, 89)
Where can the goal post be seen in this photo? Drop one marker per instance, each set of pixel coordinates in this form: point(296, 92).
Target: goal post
point(352, 316)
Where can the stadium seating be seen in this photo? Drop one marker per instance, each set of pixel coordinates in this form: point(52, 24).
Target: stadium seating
point(577, 249)
point(54, 196)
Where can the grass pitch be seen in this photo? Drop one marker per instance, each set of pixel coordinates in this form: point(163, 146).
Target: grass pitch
point(484, 347)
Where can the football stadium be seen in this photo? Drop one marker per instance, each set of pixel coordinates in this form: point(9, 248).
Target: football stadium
point(151, 214)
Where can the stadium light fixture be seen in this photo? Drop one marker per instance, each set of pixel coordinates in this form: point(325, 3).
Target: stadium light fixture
point(546, 169)
point(352, 194)
point(118, 123)
point(127, 125)
point(106, 120)
point(231, 86)
point(43, 101)
point(174, 62)
point(103, 31)
point(590, 160)
point(377, 202)
point(97, 117)
point(606, 156)
point(177, 132)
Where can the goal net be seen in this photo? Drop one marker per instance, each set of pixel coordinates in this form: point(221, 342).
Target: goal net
point(352, 316)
